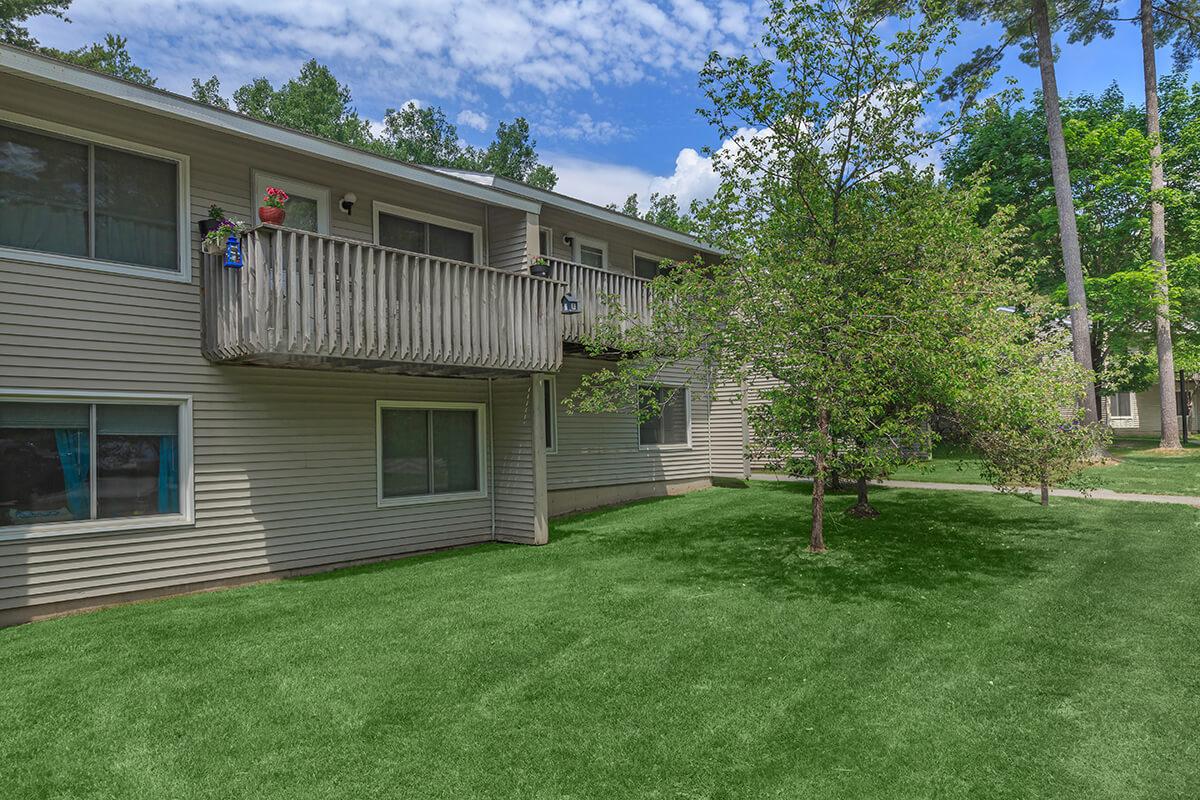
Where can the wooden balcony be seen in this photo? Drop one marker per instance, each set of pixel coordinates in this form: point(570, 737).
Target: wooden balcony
point(315, 301)
point(595, 289)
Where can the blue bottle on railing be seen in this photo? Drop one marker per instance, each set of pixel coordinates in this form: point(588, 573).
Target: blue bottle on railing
point(233, 253)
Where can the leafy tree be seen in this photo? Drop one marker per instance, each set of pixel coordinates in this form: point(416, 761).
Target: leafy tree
point(111, 56)
point(421, 135)
point(1016, 421)
point(664, 210)
point(1110, 155)
point(314, 102)
point(513, 154)
point(851, 275)
point(1030, 24)
point(209, 91)
point(14, 12)
point(1179, 22)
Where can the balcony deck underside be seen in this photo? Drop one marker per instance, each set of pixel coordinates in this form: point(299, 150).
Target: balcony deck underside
point(377, 366)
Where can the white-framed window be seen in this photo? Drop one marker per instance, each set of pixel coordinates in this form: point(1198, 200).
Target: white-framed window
point(647, 265)
point(548, 397)
point(671, 427)
point(418, 232)
point(589, 252)
point(74, 462)
point(546, 242)
point(1120, 405)
point(70, 197)
point(428, 452)
point(307, 207)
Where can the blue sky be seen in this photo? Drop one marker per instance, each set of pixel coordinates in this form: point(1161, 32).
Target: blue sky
point(609, 88)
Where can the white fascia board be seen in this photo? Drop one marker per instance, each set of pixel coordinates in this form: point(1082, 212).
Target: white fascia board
point(30, 66)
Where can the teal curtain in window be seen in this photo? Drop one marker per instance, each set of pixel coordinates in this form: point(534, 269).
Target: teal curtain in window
point(73, 455)
point(168, 475)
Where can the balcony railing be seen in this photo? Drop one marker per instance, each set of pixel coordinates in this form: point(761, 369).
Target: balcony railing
point(309, 300)
point(592, 287)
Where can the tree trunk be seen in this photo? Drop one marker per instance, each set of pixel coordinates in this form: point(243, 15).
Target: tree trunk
point(835, 481)
point(1158, 239)
point(863, 508)
point(816, 542)
point(1067, 231)
point(1045, 493)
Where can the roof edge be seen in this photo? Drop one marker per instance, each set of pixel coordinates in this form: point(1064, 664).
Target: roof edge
point(44, 69)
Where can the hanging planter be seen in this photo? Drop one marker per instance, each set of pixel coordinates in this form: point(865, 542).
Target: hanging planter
point(540, 267)
point(225, 240)
point(272, 210)
point(212, 222)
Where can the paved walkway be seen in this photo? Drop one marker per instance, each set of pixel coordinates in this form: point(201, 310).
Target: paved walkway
point(1095, 494)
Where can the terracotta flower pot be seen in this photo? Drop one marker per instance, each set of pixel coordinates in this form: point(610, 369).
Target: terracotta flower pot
point(271, 215)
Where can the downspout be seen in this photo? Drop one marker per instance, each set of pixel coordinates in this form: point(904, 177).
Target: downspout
point(491, 459)
point(712, 402)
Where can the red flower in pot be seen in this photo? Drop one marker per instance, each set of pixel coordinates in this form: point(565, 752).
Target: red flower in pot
point(271, 211)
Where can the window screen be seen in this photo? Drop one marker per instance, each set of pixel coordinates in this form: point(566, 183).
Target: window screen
point(432, 451)
point(79, 199)
point(51, 472)
point(416, 236)
point(670, 425)
point(591, 256)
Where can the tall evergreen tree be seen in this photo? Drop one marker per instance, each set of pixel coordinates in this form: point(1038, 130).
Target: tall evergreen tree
point(1030, 24)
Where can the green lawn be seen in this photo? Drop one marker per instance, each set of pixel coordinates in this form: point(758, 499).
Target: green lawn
point(1139, 469)
point(961, 646)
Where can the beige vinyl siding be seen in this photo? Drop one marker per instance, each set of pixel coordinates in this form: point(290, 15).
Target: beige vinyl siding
point(506, 243)
point(284, 460)
point(602, 449)
point(621, 241)
point(728, 432)
point(1146, 412)
point(754, 389)
point(518, 480)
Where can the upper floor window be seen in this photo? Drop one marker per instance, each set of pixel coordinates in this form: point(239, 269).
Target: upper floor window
point(673, 422)
point(1120, 405)
point(417, 232)
point(307, 206)
point(77, 459)
point(546, 242)
point(591, 252)
point(648, 266)
point(91, 201)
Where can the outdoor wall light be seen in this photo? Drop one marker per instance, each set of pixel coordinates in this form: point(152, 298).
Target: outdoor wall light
point(569, 304)
point(348, 200)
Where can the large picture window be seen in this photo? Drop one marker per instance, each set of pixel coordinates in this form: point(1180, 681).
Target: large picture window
point(417, 232)
point(68, 460)
point(671, 426)
point(85, 199)
point(429, 452)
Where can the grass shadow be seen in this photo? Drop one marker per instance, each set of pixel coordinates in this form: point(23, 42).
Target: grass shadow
point(923, 541)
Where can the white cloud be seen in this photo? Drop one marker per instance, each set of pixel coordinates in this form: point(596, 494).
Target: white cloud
point(583, 128)
point(446, 49)
point(694, 177)
point(472, 119)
